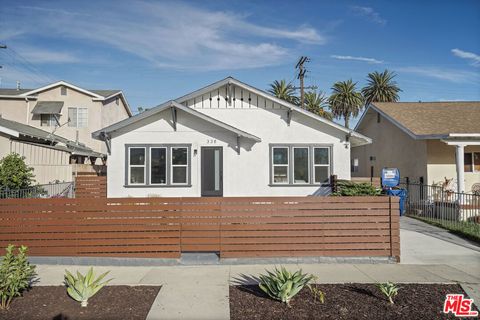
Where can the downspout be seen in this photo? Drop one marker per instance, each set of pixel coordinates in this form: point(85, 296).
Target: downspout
point(28, 110)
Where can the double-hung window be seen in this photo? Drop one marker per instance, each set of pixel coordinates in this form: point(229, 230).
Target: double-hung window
point(300, 164)
point(78, 117)
point(179, 165)
point(158, 165)
point(321, 165)
point(136, 166)
point(280, 165)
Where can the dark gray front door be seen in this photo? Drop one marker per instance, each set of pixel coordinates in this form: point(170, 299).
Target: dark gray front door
point(212, 171)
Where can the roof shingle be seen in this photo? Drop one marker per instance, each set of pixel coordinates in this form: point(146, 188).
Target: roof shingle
point(434, 118)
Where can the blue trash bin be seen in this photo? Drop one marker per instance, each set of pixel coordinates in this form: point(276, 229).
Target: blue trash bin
point(402, 193)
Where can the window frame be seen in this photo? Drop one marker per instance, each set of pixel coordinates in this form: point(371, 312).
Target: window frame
point(472, 158)
point(52, 119)
point(309, 162)
point(150, 166)
point(172, 166)
point(137, 166)
point(148, 183)
point(273, 165)
point(328, 165)
point(290, 172)
point(76, 117)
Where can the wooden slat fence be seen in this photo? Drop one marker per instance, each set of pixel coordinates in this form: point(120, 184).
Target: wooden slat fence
point(90, 186)
point(234, 227)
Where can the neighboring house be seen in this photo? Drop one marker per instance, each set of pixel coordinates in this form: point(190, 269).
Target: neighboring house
point(433, 140)
point(48, 154)
point(227, 139)
point(65, 109)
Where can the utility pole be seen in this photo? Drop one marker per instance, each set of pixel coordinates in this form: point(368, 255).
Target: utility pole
point(301, 74)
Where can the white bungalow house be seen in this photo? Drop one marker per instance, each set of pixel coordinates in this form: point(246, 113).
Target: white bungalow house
point(226, 139)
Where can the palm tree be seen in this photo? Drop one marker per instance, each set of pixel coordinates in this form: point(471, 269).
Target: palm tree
point(345, 101)
point(316, 103)
point(284, 91)
point(381, 87)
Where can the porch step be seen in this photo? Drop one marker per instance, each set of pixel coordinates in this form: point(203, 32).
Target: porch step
point(199, 258)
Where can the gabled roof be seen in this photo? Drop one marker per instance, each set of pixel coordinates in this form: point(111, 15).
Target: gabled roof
point(356, 138)
point(100, 95)
point(20, 130)
point(431, 120)
point(172, 104)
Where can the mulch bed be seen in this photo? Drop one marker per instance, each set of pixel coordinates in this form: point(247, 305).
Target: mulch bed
point(111, 302)
point(344, 301)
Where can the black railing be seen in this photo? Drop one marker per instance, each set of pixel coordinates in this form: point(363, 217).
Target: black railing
point(444, 206)
point(55, 190)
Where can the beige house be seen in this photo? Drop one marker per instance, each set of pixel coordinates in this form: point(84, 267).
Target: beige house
point(66, 110)
point(51, 127)
point(433, 140)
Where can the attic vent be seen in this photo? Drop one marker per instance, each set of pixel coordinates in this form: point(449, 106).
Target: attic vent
point(63, 90)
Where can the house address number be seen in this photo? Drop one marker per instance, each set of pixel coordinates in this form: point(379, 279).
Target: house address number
point(211, 141)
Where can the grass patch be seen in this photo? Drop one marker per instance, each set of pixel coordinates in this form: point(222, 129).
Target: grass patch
point(469, 230)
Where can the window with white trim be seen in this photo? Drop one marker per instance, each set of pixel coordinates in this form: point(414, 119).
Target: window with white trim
point(280, 165)
point(301, 167)
point(321, 164)
point(179, 165)
point(136, 165)
point(78, 117)
point(300, 164)
point(158, 165)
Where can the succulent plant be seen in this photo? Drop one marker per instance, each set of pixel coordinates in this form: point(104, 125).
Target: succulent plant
point(83, 287)
point(389, 289)
point(283, 285)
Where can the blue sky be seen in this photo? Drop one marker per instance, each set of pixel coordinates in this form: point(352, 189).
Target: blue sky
point(159, 50)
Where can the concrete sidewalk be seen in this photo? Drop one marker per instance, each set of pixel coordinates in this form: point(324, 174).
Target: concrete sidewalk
point(201, 292)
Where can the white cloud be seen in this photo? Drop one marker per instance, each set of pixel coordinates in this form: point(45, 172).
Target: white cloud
point(41, 55)
point(177, 35)
point(472, 57)
point(363, 59)
point(369, 13)
point(452, 75)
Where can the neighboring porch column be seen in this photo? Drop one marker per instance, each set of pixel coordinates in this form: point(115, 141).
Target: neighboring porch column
point(459, 161)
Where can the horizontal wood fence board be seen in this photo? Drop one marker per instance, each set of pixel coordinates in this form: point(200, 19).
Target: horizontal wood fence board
point(233, 226)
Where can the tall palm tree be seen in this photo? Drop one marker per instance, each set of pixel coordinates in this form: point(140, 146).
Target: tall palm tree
point(316, 103)
point(345, 101)
point(381, 87)
point(284, 91)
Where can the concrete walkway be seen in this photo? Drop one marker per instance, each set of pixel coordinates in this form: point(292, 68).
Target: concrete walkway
point(201, 292)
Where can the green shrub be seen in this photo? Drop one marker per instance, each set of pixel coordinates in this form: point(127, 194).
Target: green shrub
point(14, 173)
point(16, 275)
point(349, 188)
point(283, 285)
point(389, 289)
point(83, 287)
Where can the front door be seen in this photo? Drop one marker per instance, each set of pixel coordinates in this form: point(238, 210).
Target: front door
point(212, 171)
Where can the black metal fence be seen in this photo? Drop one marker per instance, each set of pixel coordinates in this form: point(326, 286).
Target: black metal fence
point(55, 190)
point(446, 207)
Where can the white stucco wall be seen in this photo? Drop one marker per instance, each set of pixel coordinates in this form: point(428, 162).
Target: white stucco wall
point(244, 174)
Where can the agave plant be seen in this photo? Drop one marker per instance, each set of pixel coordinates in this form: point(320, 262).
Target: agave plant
point(83, 287)
point(389, 289)
point(283, 285)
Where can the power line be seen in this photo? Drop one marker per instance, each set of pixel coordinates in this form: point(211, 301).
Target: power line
point(301, 74)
